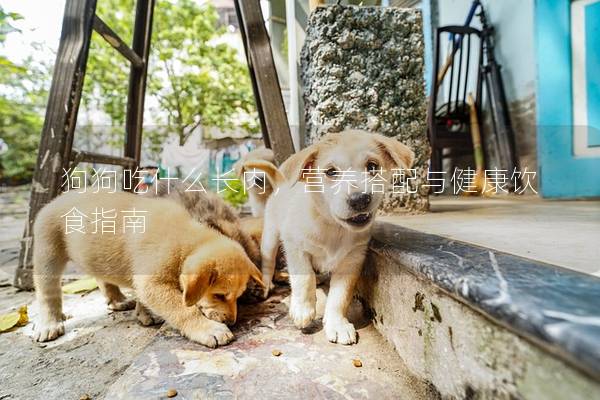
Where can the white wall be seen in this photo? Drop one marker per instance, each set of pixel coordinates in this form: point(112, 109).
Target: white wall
point(514, 21)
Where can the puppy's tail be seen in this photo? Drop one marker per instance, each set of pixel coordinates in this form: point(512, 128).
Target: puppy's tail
point(275, 177)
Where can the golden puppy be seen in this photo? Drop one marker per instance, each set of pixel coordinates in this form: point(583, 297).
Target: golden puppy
point(184, 272)
point(211, 210)
point(327, 228)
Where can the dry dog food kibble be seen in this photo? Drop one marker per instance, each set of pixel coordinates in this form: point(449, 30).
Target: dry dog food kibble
point(171, 393)
point(357, 363)
point(276, 353)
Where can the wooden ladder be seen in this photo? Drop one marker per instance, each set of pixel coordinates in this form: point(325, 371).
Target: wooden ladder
point(56, 154)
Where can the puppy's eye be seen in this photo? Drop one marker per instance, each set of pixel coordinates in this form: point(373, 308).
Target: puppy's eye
point(219, 297)
point(331, 172)
point(372, 167)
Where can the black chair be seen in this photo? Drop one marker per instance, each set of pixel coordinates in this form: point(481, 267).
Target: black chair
point(448, 120)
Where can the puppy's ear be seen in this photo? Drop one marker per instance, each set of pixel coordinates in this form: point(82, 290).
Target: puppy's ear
point(256, 275)
point(297, 164)
point(196, 279)
point(398, 154)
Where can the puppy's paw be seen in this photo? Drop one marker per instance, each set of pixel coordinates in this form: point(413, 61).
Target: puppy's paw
point(124, 305)
point(340, 331)
point(147, 318)
point(302, 313)
point(254, 293)
point(268, 289)
point(47, 331)
point(211, 334)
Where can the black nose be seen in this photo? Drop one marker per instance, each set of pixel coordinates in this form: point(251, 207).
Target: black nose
point(359, 201)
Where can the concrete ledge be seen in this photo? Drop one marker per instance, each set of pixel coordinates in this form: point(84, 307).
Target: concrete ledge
point(476, 322)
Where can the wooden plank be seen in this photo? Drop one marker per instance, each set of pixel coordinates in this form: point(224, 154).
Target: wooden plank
point(312, 4)
point(262, 68)
point(261, 114)
point(116, 42)
point(59, 123)
point(137, 79)
point(88, 156)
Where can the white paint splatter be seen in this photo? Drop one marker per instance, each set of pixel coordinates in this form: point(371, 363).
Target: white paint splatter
point(153, 369)
point(218, 363)
point(44, 159)
point(38, 188)
point(504, 296)
point(575, 319)
point(334, 383)
point(461, 261)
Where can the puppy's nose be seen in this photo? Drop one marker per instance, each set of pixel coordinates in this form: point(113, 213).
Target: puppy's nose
point(229, 320)
point(359, 201)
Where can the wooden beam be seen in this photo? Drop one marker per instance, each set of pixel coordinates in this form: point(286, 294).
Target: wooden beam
point(54, 152)
point(276, 131)
point(312, 4)
point(261, 114)
point(116, 42)
point(88, 156)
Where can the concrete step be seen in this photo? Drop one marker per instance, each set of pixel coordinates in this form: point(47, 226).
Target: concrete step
point(479, 323)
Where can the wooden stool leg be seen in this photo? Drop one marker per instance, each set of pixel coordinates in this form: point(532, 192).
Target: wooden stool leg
point(61, 115)
point(267, 93)
point(137, 79)
point(436, 160)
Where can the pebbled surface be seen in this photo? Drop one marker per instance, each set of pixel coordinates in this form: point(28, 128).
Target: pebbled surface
point(362, 67)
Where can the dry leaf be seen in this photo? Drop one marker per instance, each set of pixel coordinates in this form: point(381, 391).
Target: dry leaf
point(15, 318)
point(83, 285)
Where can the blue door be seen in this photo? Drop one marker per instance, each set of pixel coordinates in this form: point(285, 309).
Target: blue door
point(568, 97)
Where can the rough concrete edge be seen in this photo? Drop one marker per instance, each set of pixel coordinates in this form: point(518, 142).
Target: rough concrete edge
point(542, 372)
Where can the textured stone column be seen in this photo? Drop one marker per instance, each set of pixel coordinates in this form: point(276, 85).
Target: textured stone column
point(362, 67)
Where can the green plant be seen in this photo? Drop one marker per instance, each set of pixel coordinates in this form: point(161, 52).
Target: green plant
point(194, 77)
point(234, 193)
point(23, 94)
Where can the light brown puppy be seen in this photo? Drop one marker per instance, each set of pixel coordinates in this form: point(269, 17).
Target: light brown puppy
point(258, 188)
point(211, 210)
point(327, 198)
point(186, 273)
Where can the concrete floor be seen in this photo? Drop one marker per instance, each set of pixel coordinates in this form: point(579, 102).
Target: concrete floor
point(108, 354)
point(563, 233)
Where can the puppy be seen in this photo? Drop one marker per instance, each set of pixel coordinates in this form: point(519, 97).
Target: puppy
point(258, 188)
point(210, 209)
point(186, 273)
point(327, 230)
point(253, 227)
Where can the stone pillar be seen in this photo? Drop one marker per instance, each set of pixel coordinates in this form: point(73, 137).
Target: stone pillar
point(362, 67)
